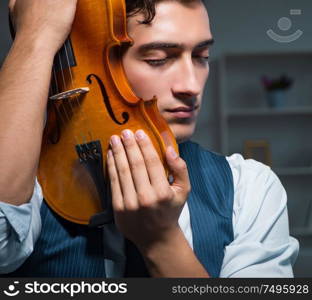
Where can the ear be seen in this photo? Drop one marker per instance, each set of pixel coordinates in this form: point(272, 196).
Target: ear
point(11, 19)
point(11, 5)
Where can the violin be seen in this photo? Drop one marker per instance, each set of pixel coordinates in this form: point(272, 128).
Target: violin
point(91, 100)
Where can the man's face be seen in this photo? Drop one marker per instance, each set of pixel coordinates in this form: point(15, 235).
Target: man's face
point(169, 59)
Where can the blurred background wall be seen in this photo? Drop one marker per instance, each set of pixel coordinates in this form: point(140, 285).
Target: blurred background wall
point(5, 39)
point(236, 115)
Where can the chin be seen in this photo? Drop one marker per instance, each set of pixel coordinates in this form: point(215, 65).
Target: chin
point(182, 133)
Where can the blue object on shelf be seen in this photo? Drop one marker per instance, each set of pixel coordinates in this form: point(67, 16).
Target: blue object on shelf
point(276, 98)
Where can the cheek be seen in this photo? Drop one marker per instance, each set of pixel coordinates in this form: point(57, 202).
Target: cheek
point(145, 81)
point(138, 83)
point(204, 76)
point(141, 80)
point(202, 79)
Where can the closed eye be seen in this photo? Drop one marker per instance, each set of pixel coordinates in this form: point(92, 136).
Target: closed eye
point(156, 62)
point(201, 59)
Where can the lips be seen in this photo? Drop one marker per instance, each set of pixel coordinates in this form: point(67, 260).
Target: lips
point(183, 109)
point(178, 109)
point(183, 112)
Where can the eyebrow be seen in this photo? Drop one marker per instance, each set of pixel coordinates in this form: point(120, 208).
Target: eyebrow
point(206, 43)
point(165, 45)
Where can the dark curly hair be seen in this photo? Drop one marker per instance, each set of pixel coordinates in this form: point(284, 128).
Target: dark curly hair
point(147, 7)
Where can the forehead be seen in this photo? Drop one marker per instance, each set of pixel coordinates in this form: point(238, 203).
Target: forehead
point(174, 22)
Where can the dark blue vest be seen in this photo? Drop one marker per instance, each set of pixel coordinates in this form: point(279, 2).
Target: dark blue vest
point(65, 249)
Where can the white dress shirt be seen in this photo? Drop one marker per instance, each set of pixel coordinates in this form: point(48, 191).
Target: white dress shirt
point(261, 247)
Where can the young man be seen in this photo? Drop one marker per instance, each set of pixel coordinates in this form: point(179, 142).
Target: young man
point(220, 217)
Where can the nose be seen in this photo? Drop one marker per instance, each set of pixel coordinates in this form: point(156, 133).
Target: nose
point(186, 83)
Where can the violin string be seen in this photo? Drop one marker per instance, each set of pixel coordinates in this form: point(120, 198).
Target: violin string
point(71, 75)
point(75, 96)
point(54, 90)
point(55, 80)
point(64, 85)
point(50, 90)
point(56, 104)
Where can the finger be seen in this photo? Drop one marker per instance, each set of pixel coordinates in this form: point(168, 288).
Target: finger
point(178, 169)
point(117, 199)
point(154, 166)
point(136, 162)
point(124, 174)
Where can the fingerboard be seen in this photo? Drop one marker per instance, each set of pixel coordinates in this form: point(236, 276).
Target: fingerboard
point(65, 57)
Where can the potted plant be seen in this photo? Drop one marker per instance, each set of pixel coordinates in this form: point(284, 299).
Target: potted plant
point(276, 89)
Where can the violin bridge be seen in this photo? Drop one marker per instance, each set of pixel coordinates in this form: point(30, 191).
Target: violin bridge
point(70, 93)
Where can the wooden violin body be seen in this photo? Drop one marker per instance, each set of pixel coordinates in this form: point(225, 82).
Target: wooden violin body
point(91, 100)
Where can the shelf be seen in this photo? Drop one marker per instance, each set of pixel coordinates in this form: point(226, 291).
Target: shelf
point(277, 54)
point(293, 171)
point(301, 231)
point(285, 111)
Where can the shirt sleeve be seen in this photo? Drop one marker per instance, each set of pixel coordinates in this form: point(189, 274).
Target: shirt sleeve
point(20, 227)
point(262, 246)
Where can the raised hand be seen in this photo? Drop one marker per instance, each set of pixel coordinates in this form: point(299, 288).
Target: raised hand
point(146, 205)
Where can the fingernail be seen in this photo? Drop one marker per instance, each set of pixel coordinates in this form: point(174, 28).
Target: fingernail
point(115, 140)
point(172, 152)
point(140, 134)
point(126, 134)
